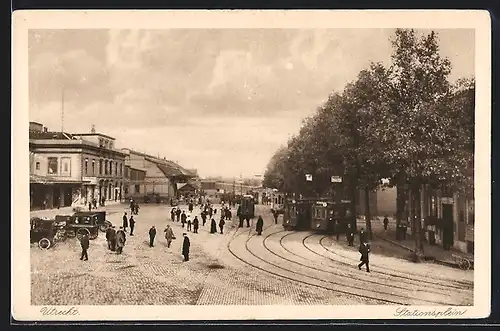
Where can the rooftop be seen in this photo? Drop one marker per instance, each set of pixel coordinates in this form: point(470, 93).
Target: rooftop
point(94, 134)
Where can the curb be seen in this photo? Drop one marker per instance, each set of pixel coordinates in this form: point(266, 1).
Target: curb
point(441, 262)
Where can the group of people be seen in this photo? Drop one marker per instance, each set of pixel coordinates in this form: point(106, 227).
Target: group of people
point(134, 207)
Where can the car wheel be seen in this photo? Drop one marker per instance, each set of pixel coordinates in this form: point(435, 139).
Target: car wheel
point(44, 243)
point(81, 232)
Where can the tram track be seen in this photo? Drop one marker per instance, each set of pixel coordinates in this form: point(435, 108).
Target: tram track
point(357, 278)
point(361, 277)
point(281, 269)
point(430, 281)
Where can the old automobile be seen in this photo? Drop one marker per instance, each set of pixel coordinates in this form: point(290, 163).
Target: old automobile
point(46, 232)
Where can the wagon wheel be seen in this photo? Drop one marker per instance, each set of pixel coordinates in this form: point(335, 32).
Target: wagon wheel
point(81, 232)
point(464, 264)
point(70, 233)
point(44, 243)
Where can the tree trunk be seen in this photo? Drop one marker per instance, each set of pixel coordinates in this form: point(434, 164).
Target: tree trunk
point(417, 226)
point(399, 209)
point(354, 199)
point(368, 216)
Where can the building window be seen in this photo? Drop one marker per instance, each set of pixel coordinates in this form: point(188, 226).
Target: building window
point(52, 165)
point(137, 188)
point(93, 167)
point(100, 167)
point(116, 168)
point(37, 166)
point(86, 170)
point(106, 167)
point(66, 166)
point(121, 169)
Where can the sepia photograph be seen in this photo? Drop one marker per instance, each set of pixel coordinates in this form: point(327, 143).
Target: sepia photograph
point(198, 165)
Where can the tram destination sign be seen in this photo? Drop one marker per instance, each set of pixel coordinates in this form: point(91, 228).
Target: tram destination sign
point(336, 179)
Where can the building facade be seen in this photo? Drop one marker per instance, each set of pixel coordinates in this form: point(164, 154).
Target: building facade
point(161, 175)
point(73, 169)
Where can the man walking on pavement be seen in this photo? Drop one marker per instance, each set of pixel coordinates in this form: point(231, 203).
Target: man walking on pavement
point(213, 226)
point(85, 243)
point(204, 217)
point(276, 215)
point(125, 222)
point(183, 218)
point(169, 235)
point(120, 240)
point(386, 222)
point(132, 225)
point(109, 230)
point(185, 247)
point(189, 223)
point(350, 235)
point(221, 224)
point(196, 224)
point(152, 235)
point(260, 225)
point(364, 249)
point(178, 214)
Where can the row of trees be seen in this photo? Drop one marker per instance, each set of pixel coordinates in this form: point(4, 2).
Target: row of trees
point(406, 123)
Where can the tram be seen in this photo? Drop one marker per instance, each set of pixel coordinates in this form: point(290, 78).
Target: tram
point(322, 215)
point(247, 206)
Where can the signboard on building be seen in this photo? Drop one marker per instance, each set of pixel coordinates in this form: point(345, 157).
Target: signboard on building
point(336, 179)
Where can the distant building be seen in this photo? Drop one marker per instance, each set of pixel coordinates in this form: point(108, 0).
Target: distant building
point(161, 175)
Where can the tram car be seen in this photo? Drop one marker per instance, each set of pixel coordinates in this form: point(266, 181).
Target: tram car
point(298, 213)
point(332, 217)
point(247, 206)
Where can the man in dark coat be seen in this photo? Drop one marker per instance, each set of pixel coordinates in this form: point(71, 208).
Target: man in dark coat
point(260, 225)
point(152, 235)
point(190, 207)
point(183, 218)
point(204, 217)
point(85, 243)
point(178, 214)
point(185, 247)
point(109, 230)
point(240, 216)
point(121, 238)
point(196, 224)
point(221, 224)
point(350, 235)
point(125, 222)
point(210, 212)
point(90, 206)
point(112, 238)
point(362, 237)
point(132, 225)
point(213, 226)
point(276, 215)
point(386, 222)
point(364, 249)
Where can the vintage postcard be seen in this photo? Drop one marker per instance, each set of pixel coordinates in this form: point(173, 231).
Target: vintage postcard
point(263, 165)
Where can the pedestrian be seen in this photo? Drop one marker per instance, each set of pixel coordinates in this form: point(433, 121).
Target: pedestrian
point(85, 243)
point(136, 208)
point(189, 223)
point(362, 237)
point(337, 227)
point(229, 214)
point(109, 231)
point(152, 235)
point(221, 224)
point(183, 218)
point(169, 235)
point(125, 222)
point(210, 212)
point(190, 207)
point(172, 214)
point(213, 226)
point(132, 225)
point(260, 225)
point(203, 217)
point(178, 214)
point(364, 249)
point(386, 222)
point(185, 247)
point(121, 238)
point(90, 206)
point(113, 238)
point(350, 235)
point(276, 215)
point(196, 224)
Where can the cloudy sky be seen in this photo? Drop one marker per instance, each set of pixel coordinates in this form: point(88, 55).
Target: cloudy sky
point(221, 101)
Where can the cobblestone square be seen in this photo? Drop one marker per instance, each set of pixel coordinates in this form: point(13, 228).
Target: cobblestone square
point(236, 268)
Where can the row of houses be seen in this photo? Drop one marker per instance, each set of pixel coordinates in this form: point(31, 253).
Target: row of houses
point(76, 168)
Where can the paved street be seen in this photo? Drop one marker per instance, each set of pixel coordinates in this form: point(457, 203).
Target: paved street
point(238, 267)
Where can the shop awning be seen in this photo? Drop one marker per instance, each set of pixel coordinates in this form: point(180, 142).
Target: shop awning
point(47, 180)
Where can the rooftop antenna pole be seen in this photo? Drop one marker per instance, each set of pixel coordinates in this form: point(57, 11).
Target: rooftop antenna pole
point(62, 110)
